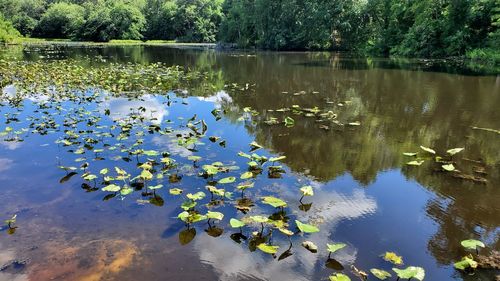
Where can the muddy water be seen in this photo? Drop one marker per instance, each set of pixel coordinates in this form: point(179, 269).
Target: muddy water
point(365, 194)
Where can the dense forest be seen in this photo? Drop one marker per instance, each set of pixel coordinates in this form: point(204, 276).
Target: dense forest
point(411, 28)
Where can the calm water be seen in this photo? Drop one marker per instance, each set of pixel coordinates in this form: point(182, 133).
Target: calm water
point(365, 195)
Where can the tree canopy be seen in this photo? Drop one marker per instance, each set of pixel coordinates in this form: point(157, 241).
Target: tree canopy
point(425, 28)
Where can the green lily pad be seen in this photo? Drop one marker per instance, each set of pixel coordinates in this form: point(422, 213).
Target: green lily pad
point(307, 190)
point(175, 191)
point(472, 244)
point(111, 188)
point(227, 180)
point(273, 201)
point(269, 249)
point(246, 175)
point(410, 272)
point(306, 228)
point(235, 223)
point(454, 151)
point(339, 277)
point(448, 167)
point(215, 215)
point(430, 150)
point(465, 263)
point(393, 258)
point(380, 274)
point(332, 248)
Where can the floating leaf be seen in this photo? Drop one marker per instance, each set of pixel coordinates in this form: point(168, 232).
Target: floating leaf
point(188, 204)
point(215, 215)
point(415, 163)
point(243, 186)
point(410, 272)
point(393, 258)
point(274, 159)
point(307, 190)
point(111, 188)
point(448, 167)
point(259, 219)
point(332, 248)
point(246, 175)
point(466, 263)
point(472, 244)
point(194, 158)
point(273, 201)
point(380, 274)
point(255, 145)
point(90, 177)
point(126, 191)
point(215, 190)
point(306, 228)
point(196, 196)
point(175, 191)
point(454, 151)
point(146, 175)
point(269, 249)
point(154, 187)
point(310, 246)
point(430, 150)
point(339, 277)
point(227, 180)
point(236, 223)
point(289, 122)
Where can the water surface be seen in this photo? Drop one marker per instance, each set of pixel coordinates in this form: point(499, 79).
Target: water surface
point(365, 195)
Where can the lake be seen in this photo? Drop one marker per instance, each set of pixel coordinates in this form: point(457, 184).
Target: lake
point(369, 139)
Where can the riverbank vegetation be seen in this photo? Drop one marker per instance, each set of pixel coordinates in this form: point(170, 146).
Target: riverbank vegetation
point(427, 28)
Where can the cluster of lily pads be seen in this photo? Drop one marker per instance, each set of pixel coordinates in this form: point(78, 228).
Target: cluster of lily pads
point(65, 102)
point(448, 163)
point(326, 118)
point(468, 264)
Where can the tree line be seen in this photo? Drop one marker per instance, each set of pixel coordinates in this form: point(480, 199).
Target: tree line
point(413, 28)
point(105, 20)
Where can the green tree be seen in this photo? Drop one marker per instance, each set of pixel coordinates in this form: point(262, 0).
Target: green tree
point(7, 31)
point(126, 22)
point(61, 20)
point(160, 18)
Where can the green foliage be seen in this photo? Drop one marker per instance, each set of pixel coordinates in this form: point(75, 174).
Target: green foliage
point(425, 28)
point(61, 20)
point(7, 31)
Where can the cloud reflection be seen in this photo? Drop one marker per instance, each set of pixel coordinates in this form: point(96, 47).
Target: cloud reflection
point(233, 261)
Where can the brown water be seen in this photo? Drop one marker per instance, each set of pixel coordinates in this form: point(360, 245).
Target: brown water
point(365, 195)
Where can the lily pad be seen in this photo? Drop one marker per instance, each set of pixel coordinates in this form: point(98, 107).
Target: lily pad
point(380, 274)
point(430, 150)
point(310, 246)
point(307, 190)
point(466, 263)
point(269, 249)
point(332, 248)
point(227, 180)
point(410, 272)
point(306, 228)
point(448, 167)
point(339, 277)
point(273, 201)
point(393, 258)
point(235, 223)
point(472, 244)
point(454, 151)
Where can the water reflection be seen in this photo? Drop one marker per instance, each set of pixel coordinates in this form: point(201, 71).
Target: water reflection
point(362, 186)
